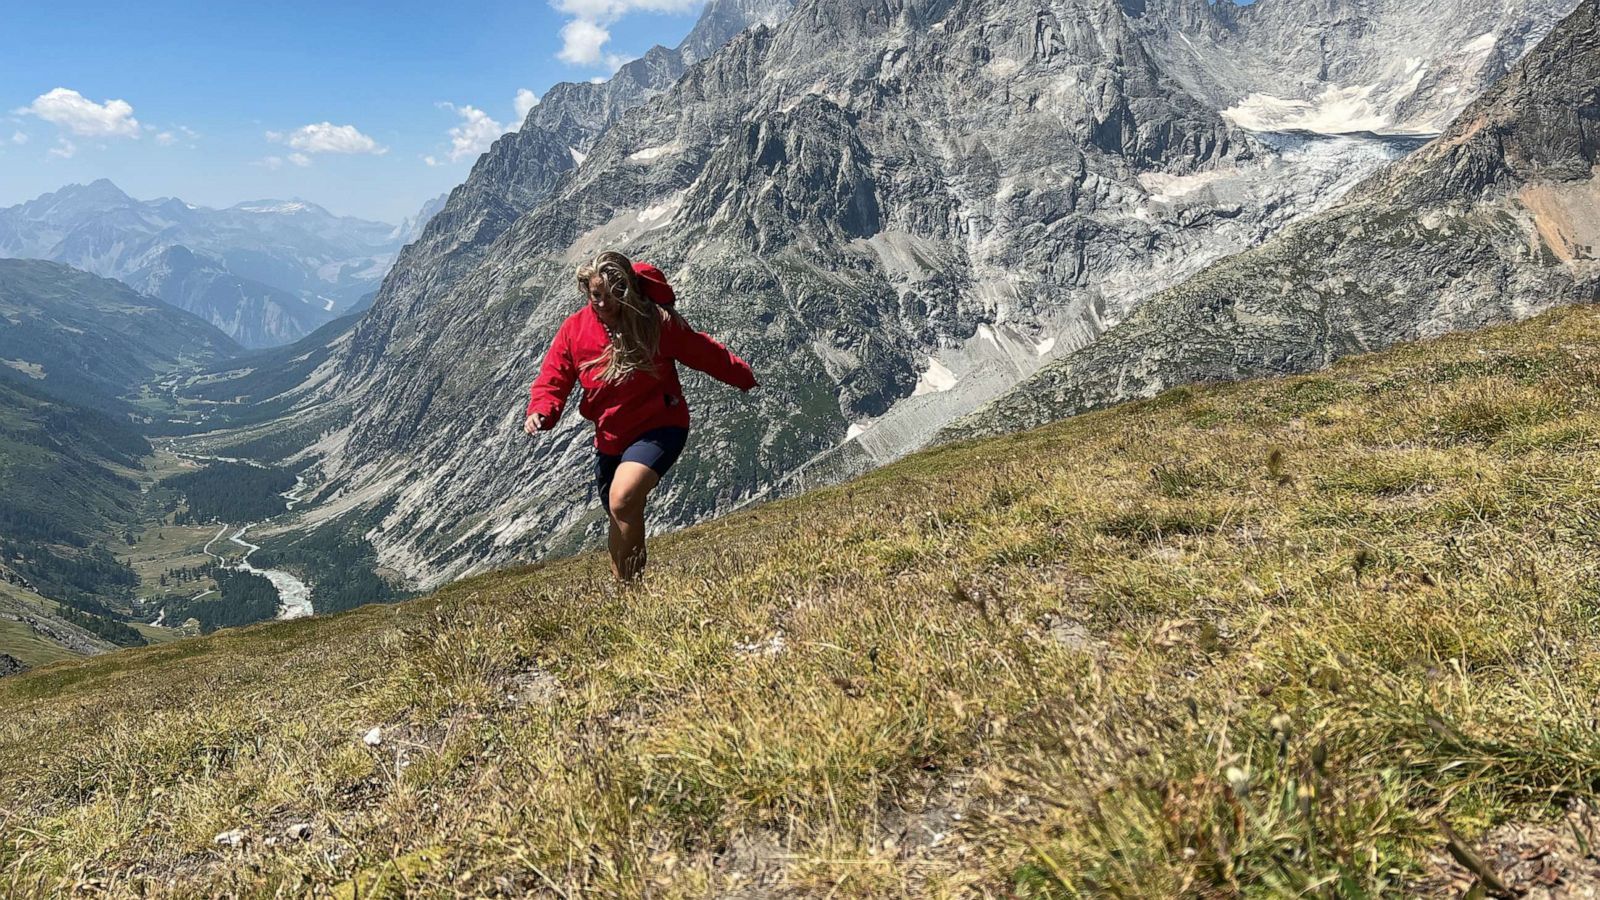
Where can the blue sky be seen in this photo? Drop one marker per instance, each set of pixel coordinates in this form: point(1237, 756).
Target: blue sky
point(343, 104)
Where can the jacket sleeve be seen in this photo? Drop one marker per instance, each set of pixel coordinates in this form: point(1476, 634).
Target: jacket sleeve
point(548, 396)
point(699, 350)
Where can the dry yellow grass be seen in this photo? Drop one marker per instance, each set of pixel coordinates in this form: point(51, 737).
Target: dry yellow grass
point(1256, 639)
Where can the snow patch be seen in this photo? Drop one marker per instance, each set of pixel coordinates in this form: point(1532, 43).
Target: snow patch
point(662, 210)
point(1164, 188)
point(289, 207)
point(938, 379)
point(1337, 110)
point(31, 369)
point(1002, 68)
point(1044, 346)
point(1483, 43)
point(577, 158)
point(855, 429)
point(650, 153)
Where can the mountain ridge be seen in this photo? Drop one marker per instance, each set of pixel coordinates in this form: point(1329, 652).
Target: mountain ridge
point(94, 341)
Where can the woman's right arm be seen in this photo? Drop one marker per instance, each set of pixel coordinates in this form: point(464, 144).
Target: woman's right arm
point(548, 395)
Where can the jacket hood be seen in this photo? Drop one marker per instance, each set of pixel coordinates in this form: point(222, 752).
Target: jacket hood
point(654, 285)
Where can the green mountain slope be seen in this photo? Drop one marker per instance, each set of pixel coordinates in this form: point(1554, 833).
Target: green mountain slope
point(1265, 639)
point(63, 487)
point(92, 341)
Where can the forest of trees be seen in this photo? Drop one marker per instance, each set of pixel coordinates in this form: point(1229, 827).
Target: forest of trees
point(241, 598)
point(187, 574)
point(99, 626)
point(79, 577)
point(231, 492)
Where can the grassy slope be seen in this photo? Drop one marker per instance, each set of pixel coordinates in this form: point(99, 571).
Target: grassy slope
point(1234, 640)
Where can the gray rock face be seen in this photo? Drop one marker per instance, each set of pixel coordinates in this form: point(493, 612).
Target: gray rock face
point(413, 226)
point(267, 272)
point(10, 665)
point(894, 208)
point(521, 169)
point(1407, 66)
point(1497, 219)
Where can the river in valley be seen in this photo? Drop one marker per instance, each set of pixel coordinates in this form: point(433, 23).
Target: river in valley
point(294, 595)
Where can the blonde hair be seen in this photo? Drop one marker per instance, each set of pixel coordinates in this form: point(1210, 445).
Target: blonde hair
point(637, 336)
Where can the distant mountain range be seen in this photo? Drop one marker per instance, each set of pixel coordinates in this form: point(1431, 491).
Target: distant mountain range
point(265, 272)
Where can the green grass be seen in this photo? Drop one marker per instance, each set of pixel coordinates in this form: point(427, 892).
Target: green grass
point(20, 641)
point(1248, 640)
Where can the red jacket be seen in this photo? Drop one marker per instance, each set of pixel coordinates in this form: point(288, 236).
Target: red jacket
point(624, 410)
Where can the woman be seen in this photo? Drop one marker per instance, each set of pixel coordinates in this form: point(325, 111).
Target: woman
point(623, 347)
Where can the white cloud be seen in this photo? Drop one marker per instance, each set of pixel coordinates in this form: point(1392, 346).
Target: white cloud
point(584, 36)
point(19, 138)
point(166, 138)
point(83, 117)
point(612, 10)
point(581, 41)
point(326, 137)
point(475, 133)
point(64, 149)
point(300, 159)
point(274, 163)
point(432, 161)
point(526, 101)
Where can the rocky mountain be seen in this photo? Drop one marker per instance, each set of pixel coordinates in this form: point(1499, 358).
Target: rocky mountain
point(413, 226)
point(252, 313)
point(1496, 219)
point(897, 210)
point(266, 272)
point(839, 196)
point(521, 168)
point(93, 341)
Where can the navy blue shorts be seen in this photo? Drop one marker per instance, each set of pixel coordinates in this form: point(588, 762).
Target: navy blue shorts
point(657, 448)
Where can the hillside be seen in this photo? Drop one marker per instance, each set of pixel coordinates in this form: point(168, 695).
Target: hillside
point(64, 489)
point(1494, 220)
point(92, 341)
point(1264, 638)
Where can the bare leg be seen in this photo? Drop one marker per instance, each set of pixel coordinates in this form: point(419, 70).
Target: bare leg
point(630, 487)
